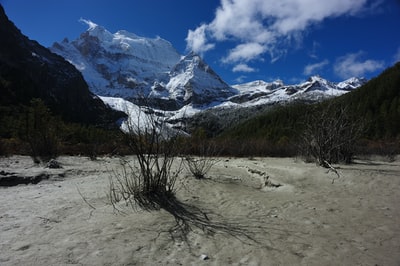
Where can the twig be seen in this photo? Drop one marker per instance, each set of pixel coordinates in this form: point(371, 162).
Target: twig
point(87, 202)
point(332, 169)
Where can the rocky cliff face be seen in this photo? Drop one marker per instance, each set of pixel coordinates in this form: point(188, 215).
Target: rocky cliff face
point(29, 70)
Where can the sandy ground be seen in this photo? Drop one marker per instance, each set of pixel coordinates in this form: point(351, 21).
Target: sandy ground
point(236, 220)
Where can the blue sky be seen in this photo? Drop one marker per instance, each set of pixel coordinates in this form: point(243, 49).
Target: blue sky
point(242, 40)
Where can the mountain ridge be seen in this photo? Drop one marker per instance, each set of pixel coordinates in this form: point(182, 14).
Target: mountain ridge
point(125, 65)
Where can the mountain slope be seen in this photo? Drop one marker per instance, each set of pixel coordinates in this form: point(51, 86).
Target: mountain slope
point(28, 70)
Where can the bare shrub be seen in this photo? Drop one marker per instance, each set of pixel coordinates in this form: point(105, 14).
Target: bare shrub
point(200, 165)
point(330, 135)
point(200, 153)
point(149, 181)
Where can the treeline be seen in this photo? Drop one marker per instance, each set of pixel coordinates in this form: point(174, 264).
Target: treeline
point(33, 130)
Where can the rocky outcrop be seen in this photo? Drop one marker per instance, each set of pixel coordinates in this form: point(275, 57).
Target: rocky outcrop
point(13, 179)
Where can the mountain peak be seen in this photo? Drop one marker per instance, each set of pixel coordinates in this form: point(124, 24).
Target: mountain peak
point(96, 30)
point(317, 78)
point(192, 54)
point(352, 83)
point(126, 65)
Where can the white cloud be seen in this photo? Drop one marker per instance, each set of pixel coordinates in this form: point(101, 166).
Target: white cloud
point(239, 19)
point(273, 25)
point(352, 65)
point(311, 69)
point(243, 68)
point(297, 15)
point(197, 40)
point(244, 52)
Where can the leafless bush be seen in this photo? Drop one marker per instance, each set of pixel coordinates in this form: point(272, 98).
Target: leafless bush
point(330, 136)
point(149, 181)
point(200, 165)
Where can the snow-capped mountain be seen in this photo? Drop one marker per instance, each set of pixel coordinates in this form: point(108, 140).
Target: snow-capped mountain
point(193, 81)
point(314, 89)
point(129, 66)
point(351, 83)
point(124, 65)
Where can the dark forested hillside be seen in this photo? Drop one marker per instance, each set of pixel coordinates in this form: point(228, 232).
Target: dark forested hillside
point(29, 70)
point(34, 82)
point(282, 122)
point(376, 104)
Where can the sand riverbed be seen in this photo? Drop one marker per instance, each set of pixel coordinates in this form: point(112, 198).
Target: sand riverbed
point(236, 220)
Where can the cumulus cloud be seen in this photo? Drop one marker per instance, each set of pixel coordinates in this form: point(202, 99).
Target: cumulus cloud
point(352, 65)
point(243, 68)
point(244, 52)
point(311, 69)
point(267, 25)
point(197, 41)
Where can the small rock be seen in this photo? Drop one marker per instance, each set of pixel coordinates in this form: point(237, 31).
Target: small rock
point(204, 257)
point(53, 164)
